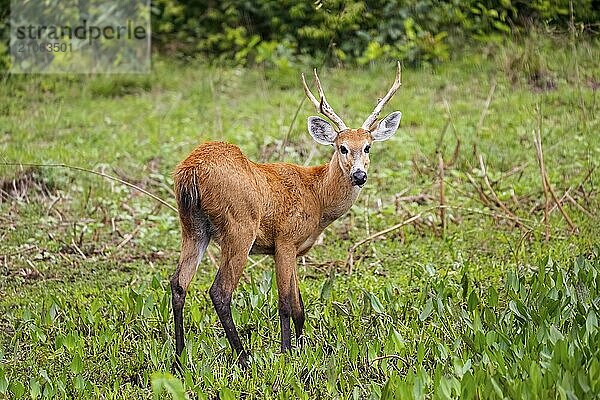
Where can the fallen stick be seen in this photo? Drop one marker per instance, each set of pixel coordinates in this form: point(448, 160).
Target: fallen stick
point(538, 143)
point(576, 204)
point(482, 196)
point(540, 158)
point(494, 195)
point(485, 109)
point(350, 259)
point(442, 194)
point(414, 218)
point(91, 171)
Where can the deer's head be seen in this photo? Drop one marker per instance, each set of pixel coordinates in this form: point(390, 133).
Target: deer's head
point(352, 145)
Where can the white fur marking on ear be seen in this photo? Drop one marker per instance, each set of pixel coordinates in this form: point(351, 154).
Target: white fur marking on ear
point(387, 127)
point(321, 130)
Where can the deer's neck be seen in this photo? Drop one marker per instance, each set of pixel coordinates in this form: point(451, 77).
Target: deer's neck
point(336, 192)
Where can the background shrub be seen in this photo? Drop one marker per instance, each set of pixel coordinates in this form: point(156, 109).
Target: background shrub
point(268, 31)
point(280, 32)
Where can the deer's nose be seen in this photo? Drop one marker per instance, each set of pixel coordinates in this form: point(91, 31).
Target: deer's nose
point(359, 178)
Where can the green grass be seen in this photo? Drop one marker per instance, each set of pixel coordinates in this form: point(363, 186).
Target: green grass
point(482, 308)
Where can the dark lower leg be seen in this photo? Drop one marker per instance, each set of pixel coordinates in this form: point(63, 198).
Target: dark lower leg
point(284, 318)
point(222, 303)
point(298, 318)
point(177, 301)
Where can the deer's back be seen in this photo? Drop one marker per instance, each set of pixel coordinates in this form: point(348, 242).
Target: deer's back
point(278, 199)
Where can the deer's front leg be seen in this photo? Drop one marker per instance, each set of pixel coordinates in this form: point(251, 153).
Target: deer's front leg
point(285, 264)
point(297, 311)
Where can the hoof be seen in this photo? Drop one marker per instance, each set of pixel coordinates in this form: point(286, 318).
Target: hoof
point(176, 367)
point(244, 359)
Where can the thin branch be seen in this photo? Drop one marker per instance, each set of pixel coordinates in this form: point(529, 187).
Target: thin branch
point(582, 208)
point(20, 251)
point(350, 259)
point(414, 218)
point(559, 204)
point(91, 171)
point(546, 180)
point(494, 195)
point(442, 193)
point(128, 237)
point(482, 196)
point(540, 158)
point(485, 109)
point(396, 356)
point(81, 253)
point(563, 198)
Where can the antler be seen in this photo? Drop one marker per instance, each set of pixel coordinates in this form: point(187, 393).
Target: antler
point(323, 106)
point(397, 83)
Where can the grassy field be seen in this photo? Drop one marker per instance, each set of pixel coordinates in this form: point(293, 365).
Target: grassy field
point(483, 299)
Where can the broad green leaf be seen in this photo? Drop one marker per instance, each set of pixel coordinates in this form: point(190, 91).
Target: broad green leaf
point(426, 311)
point(35, 390)
point(77, 364)
point(512, 305)
point(473, 301)
point(326, 289)
point(497, 387)
point(591, 322)
point(17, 389)
point(555, 335)
point(376, 304)
point(226, 394)
point(166, 381)
point(3, 381)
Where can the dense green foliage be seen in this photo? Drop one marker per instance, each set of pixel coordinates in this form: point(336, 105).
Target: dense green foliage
point(279, 32)
point(478, 307)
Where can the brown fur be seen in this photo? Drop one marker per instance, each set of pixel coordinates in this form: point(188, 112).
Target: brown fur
point(278, 202)
point(278, 209)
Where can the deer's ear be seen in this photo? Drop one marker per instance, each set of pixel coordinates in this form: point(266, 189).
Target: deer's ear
point(321, 131)
point(387, 127)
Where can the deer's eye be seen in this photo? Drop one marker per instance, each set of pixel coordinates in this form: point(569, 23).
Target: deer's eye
point(343, 149)
point(367, 148)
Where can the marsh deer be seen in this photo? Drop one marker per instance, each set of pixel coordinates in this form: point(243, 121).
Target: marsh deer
point(278, 209)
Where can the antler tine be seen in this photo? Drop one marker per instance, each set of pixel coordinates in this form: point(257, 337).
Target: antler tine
point(397, 83)
point(322, 106)
point(325, 108)
point(310, 96)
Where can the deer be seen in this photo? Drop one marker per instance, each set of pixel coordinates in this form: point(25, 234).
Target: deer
point(278, 209)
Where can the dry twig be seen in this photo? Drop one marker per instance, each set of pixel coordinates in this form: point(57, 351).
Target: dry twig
point(493, 192)
point(350, 260)
point(91, 171)
point(442, 194)
point(547, 185)
point(485, 109)
point(576, 204)
point(416, 218)
point(482, 196)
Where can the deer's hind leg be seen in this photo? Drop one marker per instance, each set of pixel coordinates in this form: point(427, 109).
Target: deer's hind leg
point(235, 247)
point(195, 239)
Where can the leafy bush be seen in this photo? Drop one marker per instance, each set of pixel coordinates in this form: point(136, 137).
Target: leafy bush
point(4, 35)
point(275, 33)
point(267, 31)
